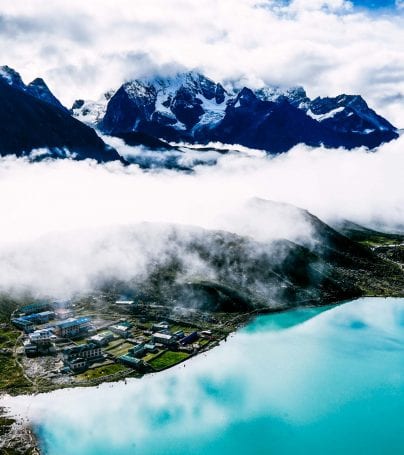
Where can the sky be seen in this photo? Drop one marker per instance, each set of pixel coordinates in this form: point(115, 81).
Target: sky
point(376, 4)
point(330, 47)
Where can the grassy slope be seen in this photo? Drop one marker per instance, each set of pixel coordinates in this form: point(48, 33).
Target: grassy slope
point(366, 236)
point(167, 359)
point(12, 379)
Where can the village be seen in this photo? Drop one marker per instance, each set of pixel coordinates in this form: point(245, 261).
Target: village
point(67, 343)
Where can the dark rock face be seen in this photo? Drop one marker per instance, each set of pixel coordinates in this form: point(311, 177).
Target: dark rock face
point(77, 104)
point(40, 90)
point(186, 107)
point(129, 110)
point(352, 120)
point(11, 77)
point(275, 127)
point(190, 107)
point(27, 123)
point(37, 88)
point(351, 113)
point(142, 139)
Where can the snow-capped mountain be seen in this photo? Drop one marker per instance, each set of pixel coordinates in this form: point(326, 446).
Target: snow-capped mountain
point(192, 108)
point(347, 113)
point(37, 88)
point(170, 105)
point(186, 107)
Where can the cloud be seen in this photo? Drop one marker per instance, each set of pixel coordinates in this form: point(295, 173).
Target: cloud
point(326, 45)
point(67, 223)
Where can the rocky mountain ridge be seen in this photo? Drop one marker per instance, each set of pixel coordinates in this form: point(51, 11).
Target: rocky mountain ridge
point(190, 107)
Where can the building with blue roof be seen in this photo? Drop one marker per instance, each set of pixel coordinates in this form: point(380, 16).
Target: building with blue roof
point(73, 327)
point(35, 308)
point(189, 338)
point(23, 324)
point(27, 322)
point(132, 362)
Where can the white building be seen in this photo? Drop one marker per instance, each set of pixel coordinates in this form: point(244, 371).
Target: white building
point(163, 338)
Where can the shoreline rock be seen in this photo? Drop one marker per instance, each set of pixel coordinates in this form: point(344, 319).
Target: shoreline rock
point(17, 436)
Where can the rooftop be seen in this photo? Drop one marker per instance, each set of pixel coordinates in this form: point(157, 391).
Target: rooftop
point(101, 336)
point(22, 320)
point(71, 322)
point(33, 307)
point(80, 348)
point(166, 336)
point(129, 359)
point(120, 326)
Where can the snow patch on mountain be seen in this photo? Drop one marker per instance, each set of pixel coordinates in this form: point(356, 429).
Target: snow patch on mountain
point(321, 117)
point(91, 112)
point(214, 112)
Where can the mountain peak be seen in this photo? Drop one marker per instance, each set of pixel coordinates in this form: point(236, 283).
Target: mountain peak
point(192, 81)
point(295, 95)
point(38, 82)
point(178, 101)
point(28, 124)
point(40, 90)
point(348, 113)
point(36, 88)
point(11, 77)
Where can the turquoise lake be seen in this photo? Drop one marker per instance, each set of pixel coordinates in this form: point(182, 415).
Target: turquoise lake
point(314, 381)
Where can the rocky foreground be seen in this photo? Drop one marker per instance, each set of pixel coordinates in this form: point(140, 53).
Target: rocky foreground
point(16, 437)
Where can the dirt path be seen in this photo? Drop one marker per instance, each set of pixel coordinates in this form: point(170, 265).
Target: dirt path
point(20, 366)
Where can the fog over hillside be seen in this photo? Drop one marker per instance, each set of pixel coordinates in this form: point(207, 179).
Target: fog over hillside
point(65, 223)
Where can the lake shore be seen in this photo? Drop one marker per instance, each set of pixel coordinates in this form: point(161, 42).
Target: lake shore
point(20, 434)
point(260, 373)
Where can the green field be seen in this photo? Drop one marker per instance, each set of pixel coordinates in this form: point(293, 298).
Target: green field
point(117, 351)
point(168, 359)
point(8, 338)
point(11, 377)
point(150, 356)
point(99, 372)
point(203, 341)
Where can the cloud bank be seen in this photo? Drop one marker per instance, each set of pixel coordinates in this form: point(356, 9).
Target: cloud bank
point(329, 46)
point(66, 223)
